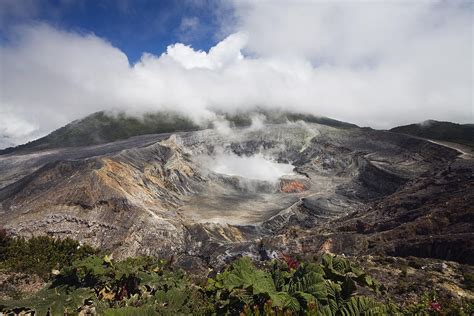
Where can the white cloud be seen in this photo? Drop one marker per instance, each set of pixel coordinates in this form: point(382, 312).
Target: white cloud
point(14, 129)
point(224, 53)
point(370, 63)
point(376, 63)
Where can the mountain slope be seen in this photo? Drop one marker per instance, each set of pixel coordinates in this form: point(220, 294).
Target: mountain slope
point(444, 131)
point(102, 127)
point(430, 217)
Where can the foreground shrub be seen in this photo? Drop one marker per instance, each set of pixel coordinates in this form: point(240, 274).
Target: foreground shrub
point(135, 286)
point(40, 255)
point(329, 285)
point(327, 288)
point(146, 286)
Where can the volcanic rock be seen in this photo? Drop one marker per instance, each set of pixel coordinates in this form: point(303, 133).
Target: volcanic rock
point(353, 191)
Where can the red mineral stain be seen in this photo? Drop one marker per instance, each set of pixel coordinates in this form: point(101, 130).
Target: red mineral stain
point(293, 186)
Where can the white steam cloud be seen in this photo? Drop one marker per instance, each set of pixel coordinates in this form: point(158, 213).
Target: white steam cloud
point(371, 63)
point(255, 167)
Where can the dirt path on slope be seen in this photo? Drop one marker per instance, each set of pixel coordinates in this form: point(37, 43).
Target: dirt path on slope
point(466, 152)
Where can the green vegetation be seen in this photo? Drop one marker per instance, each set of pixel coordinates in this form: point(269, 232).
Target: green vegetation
point(148, 286)
point(444, 131)
point(39, 255)
point(88, 282)
point(428, 305)
point(325, 288)
point(136, 286)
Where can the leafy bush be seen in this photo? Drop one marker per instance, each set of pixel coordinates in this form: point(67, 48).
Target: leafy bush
point(57, 301)
point(429, 304)
point(144, 285)
point(147, 286)
point(39, 255)
point(329, 285)
point(327, 288)
point(130, 311)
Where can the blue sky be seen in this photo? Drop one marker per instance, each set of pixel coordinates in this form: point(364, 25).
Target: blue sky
point(133, 26)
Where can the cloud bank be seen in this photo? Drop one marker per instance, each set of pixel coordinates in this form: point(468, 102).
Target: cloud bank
point(377, 64)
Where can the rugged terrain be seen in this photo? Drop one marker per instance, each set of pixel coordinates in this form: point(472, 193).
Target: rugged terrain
point(441, 131)
point(207, 196)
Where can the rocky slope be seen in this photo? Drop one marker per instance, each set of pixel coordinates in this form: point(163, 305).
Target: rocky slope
point(431, 216)
point(206, 196)
point(105, 127)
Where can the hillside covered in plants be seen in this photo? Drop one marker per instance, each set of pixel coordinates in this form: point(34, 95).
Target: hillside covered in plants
point(74, 279)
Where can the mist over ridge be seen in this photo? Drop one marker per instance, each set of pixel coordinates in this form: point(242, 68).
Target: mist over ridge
point(372, 65)
point(108, 126)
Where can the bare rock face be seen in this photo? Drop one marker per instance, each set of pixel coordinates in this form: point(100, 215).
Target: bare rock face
point(191, 195)
point(97, 200)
